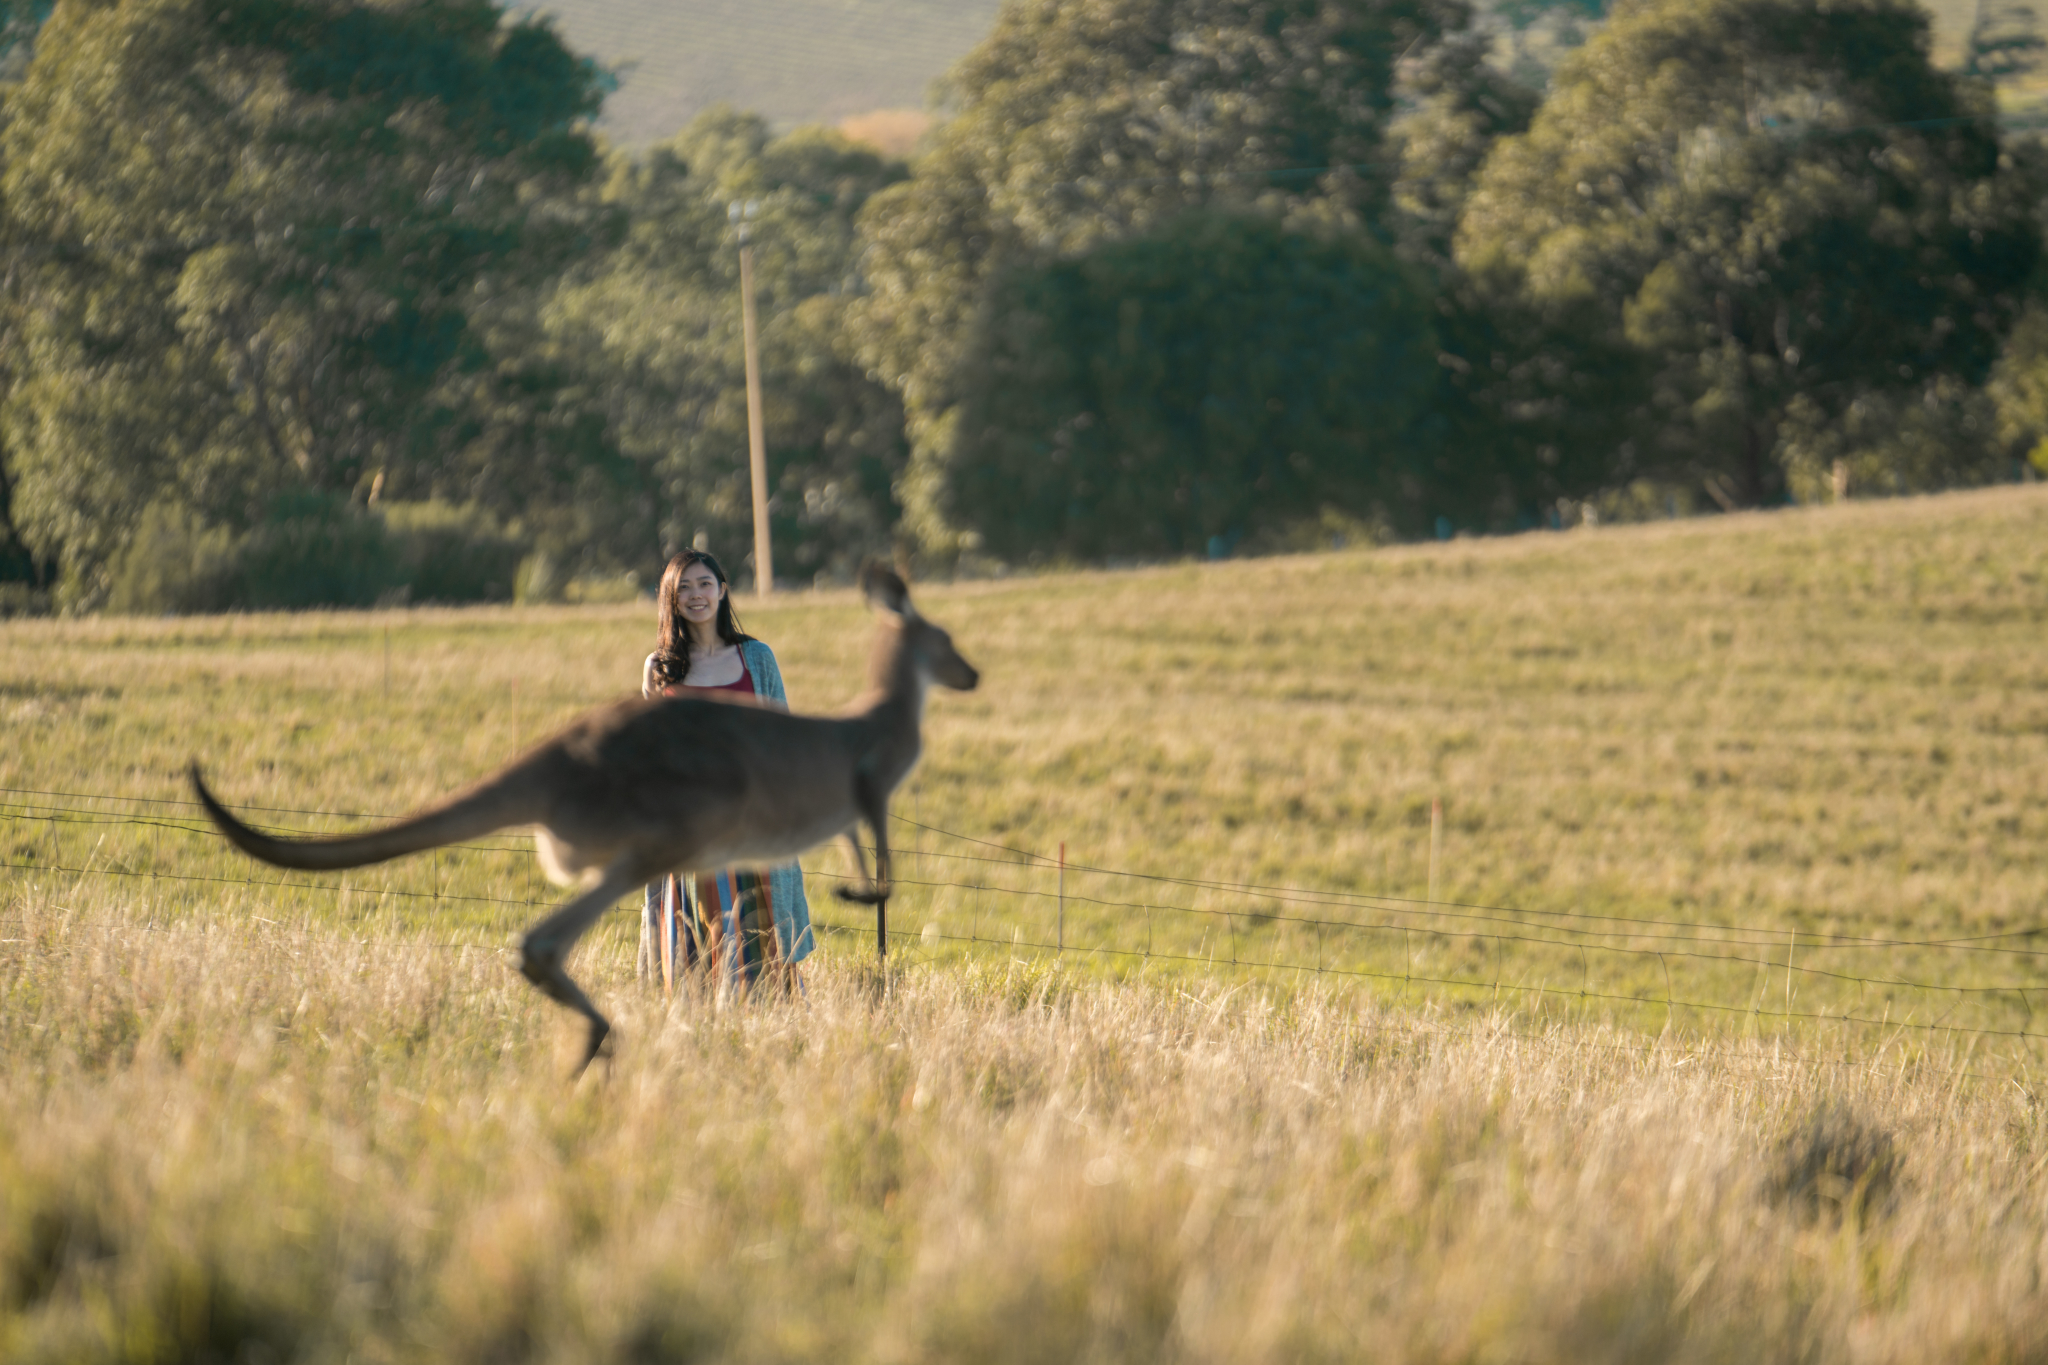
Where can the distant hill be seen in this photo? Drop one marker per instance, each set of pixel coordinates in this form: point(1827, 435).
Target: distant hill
point(818, 61)
point(792, 61)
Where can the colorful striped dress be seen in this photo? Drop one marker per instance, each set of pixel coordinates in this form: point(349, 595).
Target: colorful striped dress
point(736, 925)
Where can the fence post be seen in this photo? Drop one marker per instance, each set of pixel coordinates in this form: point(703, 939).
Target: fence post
point(1062, 933)
point(1436, 826)
point(1792, 935)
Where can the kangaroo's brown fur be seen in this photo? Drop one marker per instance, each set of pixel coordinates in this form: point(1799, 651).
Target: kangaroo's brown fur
point(648, 787)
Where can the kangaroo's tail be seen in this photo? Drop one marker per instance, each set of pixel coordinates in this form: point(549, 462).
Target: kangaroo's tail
point(491, 805)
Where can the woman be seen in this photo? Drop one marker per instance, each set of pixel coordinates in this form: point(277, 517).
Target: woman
point(738, 924)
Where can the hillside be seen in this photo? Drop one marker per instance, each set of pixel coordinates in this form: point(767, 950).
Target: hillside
point(819, 61)
point(793, 61)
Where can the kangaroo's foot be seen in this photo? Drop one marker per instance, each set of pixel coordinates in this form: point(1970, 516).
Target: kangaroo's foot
point(599, 1031)
point(544, 969)
point(863, 895)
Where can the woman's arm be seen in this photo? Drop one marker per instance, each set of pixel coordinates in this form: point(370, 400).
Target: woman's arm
point(647, 687)
point(760, 662)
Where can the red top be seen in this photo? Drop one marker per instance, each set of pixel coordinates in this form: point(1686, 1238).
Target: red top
point(745, 683)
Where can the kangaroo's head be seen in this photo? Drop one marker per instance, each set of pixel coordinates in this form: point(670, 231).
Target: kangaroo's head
point(914, 646)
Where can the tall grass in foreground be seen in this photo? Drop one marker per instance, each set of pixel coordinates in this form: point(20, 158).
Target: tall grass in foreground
point(229, 1140)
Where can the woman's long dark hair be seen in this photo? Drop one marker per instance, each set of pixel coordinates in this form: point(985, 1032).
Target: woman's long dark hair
point(672, 632)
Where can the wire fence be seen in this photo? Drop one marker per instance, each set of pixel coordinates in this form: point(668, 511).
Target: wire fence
point(968, 896)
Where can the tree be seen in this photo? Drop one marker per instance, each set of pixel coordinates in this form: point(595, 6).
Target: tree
point(1080, 123)
point(1458, 106)
point(652, 330)
point(1531, 400)
point(1779, 205)
point(1164, 394)
point(259, 231)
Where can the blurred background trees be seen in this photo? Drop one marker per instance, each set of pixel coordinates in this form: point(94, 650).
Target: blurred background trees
point(1181, 392)
point(354, 288)
point(251, 239)
point(1079, 126)
point(651, 329)
point(1784, 211)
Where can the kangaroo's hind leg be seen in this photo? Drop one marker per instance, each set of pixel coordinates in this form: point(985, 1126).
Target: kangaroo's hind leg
point(545, 949)
point(874, 810)
point(862, 883)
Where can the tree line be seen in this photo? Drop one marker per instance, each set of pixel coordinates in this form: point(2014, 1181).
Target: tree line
point(317, 301)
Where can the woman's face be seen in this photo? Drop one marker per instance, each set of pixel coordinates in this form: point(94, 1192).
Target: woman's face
point(698, 595)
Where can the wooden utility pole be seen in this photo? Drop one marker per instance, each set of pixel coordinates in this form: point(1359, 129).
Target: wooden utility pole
point(739, 214)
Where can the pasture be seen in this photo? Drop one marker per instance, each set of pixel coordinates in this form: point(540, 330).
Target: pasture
point(1715, 1040)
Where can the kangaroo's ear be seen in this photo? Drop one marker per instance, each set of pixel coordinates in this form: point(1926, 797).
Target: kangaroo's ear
point(884, 588)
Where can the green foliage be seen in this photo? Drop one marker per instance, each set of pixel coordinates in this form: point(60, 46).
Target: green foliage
point(652, 330)
point(1886, 444)
point(2018, 390)
point(1178, 392)
point(1139, 295)
point(1531, 399)
point(19, 566)
point(314, 550)
point(1459, 106)
point(171, 563)
point(445, 552)
point(1534, 401)
point(1775, 204)
point(1077, 125)
point(260, 230)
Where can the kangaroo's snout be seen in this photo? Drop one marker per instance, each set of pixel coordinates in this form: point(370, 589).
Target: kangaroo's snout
point(943, 665)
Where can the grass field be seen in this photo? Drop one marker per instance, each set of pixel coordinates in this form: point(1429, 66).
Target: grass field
point(1711, 789)
point(1704, 761)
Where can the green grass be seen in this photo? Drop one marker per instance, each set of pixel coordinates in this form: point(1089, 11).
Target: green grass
point(254, 1121)
point(1670, 759)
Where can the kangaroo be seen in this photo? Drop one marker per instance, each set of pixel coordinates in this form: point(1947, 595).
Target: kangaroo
point(651, 786)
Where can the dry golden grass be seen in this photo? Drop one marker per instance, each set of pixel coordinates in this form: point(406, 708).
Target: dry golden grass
point(229, 1141)
point(249, 1120)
